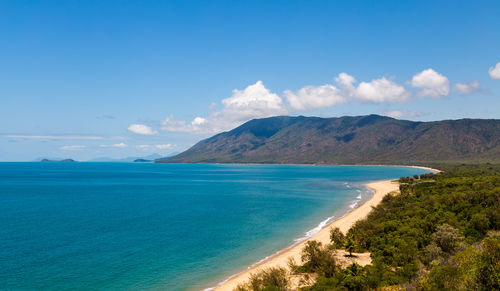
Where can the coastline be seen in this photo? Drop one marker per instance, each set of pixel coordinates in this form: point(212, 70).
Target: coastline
point(344, 223)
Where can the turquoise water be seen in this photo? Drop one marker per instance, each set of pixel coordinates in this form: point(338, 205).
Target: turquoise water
point(114, 226)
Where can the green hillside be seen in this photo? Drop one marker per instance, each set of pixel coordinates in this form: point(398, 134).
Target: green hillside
point(369, 139)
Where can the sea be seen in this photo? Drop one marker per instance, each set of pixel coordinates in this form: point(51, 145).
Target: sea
point(144, 226)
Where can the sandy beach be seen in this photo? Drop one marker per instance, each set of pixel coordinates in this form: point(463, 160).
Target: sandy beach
point(344, 223)
point(280, 258)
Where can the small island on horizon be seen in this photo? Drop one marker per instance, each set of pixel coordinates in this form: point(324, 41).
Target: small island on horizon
point(58, 161)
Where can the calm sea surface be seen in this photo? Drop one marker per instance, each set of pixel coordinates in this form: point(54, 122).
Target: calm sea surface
point(125, 226)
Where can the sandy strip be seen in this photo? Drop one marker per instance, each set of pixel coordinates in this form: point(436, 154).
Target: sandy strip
point(426, 168)
point(281, 258)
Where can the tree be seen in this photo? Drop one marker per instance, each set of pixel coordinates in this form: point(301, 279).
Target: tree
point(337, 237)
point(268, 279)
point(312, 253)
point(350, 246)
point(446, 237)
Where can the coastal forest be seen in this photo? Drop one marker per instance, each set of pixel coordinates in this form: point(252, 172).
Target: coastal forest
point(441, 232)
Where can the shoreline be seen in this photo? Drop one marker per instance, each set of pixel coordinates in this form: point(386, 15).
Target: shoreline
point(344, 223)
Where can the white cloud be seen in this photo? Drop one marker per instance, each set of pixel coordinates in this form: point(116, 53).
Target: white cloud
point(56, 137)
point(394, 114)
point(495, 71)
point(72, 147)
point(431, 84)
point(469, 88)
point(141, 129)
point(255, 101)
point(116, 145)
point(311, 97)
point(345, 80)
point(376, 91)
point(401, 113)
point(381, 90)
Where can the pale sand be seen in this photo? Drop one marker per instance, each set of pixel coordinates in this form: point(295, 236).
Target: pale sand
point(426, 168)
point(280, 259)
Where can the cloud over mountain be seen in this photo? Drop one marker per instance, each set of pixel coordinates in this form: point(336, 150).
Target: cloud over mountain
point(431, 83)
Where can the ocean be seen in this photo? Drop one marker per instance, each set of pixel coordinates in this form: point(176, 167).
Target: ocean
point(133, 226)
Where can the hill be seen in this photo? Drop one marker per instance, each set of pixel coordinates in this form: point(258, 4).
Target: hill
point(370, 139)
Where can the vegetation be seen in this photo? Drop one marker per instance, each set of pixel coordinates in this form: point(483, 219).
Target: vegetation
point(349, 140)
point(337, 238)
point(440, 233)
point(267, 280)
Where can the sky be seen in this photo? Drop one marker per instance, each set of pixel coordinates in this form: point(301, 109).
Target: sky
point(87, 79)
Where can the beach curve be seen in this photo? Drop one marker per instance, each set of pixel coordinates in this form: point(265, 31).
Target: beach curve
point(344, 223)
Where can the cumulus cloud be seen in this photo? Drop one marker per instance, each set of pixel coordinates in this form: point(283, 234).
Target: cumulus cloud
point(381, 90)
point(141, 129)
point(468, 88)
point(495, 71)
point(431, 83)
point(116, 145)
point(311, 97)
point(376, 91)
point(72, 147)
point(255, 101)
point(401, 113)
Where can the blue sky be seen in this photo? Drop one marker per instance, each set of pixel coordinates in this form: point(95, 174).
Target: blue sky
point(85, 79)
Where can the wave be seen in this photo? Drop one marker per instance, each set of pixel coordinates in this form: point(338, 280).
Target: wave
point(312, 232)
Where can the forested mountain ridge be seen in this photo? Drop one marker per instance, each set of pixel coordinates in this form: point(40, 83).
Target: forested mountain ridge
point(370, 139)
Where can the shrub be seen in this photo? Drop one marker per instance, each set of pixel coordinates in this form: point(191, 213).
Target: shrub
point(446, 237)
point(270, 279)
point(319, 259)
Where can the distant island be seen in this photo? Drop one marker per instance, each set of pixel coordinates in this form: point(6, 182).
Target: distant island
point(58, 161)
point(143, 161)
point(370, 139)
point(150, 158)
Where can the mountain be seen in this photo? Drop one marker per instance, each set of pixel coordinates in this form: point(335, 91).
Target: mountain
point(370, 139)
point(151, 157)
point(58, 161)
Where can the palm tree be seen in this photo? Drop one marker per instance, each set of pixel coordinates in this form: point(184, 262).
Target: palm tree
point(349, 246)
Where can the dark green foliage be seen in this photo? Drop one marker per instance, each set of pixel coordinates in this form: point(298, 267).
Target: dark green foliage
point(337, 238)
point(432, 236)
point(446, 237)
point(319, 259)
point(349, 140)
point(350, 245)
point(312, 253)
point(272, 279)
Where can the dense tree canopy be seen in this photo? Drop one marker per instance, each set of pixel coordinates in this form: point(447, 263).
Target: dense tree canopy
point(442, 232)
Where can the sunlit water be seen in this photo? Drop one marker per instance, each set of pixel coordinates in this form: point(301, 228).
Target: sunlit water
point(125, 226)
